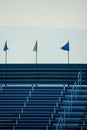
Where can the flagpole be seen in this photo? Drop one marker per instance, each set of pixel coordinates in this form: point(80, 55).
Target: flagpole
point(5, 57)
point(5, 49)
point(66, 48)
point(36, 52)
point(68, 68)
point(36, 49)
point(36, 57)
point(68, 57)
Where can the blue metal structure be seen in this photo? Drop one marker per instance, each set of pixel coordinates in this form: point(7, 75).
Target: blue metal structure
point(42, 73)
point(43, 97)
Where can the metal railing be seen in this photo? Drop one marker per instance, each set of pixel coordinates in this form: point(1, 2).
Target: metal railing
point(55, 109)
point(68, 105)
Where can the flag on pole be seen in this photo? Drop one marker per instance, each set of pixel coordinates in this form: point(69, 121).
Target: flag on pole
point(35, 47)
point(66, 47)
point(5, 46)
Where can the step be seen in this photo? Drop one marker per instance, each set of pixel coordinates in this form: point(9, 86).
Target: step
point(6, 127)
point(69, 125)
point(34, 115)
point(34, 118)
point(70, 118)
point(76, 104)
point(44, 98)
point(77, 101)
point(39, 108)
point(33, 121)
point(74, 108)
point(38, 112)
point(77, 96)
point(32, 127)
point(14, 95)
point(45, 95)
point(39, 103)
point(72, 113)
point(12, 98)
point(8, 116)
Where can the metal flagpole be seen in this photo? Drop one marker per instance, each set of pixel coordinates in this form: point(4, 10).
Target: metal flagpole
point(5, 49)
point(36, 60)
point(66, 48)
point(68, 68)
point(6, 68)
point(68, 57)
point(35, 49)
point(36, 54)
point(5, 57)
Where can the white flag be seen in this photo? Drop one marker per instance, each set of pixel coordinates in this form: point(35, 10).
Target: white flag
point(35, 47)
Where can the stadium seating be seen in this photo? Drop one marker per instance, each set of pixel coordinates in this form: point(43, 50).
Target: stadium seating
point(42, 73)
point(25, 107)
point(74, 116)
point(43, 106)
point(11, 101)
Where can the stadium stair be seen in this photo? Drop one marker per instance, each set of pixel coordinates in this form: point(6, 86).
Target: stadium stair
point(11, 101)
point(76, 115)
point(39, 108)
point(25, 107)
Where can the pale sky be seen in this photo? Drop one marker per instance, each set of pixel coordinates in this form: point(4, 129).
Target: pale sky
point(51, 22)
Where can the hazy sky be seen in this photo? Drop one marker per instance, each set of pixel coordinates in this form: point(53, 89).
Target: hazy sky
point(51, 22)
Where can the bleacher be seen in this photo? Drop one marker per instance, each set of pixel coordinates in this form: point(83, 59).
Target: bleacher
point(71, 117)
point(46, 106)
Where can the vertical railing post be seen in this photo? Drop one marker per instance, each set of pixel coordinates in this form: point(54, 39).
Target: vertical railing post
point(47, 127)
point(79, 78)
point(13, 127)
point(64, 117)
point(71, 97)
point(1, 87)
point(81, 127)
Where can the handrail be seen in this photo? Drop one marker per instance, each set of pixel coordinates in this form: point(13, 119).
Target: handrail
point(59, 124)
point(55, 108)
point(68, 105)
point(79, 78)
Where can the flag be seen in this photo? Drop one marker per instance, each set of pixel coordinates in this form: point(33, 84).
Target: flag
point(35, 47)
point(65, 47)
point(5, 46)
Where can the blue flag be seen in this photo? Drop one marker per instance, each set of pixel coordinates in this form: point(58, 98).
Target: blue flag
point(65, 47)
point(5, 46)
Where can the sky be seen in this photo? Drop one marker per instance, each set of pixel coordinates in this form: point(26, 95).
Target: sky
point(51, 22)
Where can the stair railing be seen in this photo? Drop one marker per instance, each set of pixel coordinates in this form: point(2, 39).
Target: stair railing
point(76, 87)
point(59, 125)
point(68, 106)
point(55, 108)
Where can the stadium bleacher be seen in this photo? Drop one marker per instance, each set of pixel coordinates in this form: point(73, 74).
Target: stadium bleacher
point(46, 106)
